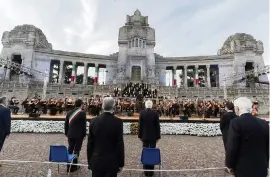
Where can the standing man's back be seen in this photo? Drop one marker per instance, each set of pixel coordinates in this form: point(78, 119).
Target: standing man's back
point(75, 130)
point(225, 121)
point(149, 130)
point(105, 149)
point(5, 122)
point(247, 148)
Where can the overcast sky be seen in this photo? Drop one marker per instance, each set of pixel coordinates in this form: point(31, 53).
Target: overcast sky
point(183, 27)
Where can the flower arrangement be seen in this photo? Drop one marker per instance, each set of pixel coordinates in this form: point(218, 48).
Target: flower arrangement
point(196, 129)
point(134, 128)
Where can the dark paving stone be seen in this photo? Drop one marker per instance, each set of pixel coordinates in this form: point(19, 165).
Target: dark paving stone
point(178, 152)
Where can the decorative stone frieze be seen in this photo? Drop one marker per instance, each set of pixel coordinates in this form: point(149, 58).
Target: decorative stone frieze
point(27, 34)
point(241, 42)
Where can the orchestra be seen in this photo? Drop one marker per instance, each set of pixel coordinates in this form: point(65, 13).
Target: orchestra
point(128, 106)
point(129, 100)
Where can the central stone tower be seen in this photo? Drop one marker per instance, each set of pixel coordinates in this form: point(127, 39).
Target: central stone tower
point(136, 59)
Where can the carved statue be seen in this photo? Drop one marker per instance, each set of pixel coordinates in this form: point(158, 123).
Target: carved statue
point(5, 36)
point(248, 44)
point(260, 46)
point(150, 71)
point(121, 70)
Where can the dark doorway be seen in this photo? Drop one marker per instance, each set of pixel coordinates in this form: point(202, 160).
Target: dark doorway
point(15, 71)
point(136, 73)
point(55, 64)
point(214, 75)
point(250, 79)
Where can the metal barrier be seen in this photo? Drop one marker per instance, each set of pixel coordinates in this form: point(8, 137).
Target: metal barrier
point(49, 169)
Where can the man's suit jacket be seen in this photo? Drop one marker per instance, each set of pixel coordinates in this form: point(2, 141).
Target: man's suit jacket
point(247, 151)
point(5, 121)
point(225, 123)
point(149, 127)
point(105, 148)
point(77, 128)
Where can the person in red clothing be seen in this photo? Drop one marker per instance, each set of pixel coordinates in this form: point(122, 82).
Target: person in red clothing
point(255, 109)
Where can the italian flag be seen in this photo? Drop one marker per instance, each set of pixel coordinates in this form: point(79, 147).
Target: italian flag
point(174, 77)
point(196, 76)
point(73, 75)
point(96, 75)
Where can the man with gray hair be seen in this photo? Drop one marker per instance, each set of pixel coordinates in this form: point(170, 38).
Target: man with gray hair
point(149, 130)
point(247, 147)
point(105, 148)
point(5, 122)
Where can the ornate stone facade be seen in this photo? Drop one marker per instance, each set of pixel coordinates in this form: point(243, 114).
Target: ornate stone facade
point(136, 43)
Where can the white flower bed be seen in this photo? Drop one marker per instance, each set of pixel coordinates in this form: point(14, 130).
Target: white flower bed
point(198, 129)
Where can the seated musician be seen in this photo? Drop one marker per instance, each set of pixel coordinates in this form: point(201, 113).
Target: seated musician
point(52, 106)
point(32, 106)
point(13, 105)
point(44, 107)
point(222, 109)
point(25, 105)
point(175, 108)
point(59, 106)
point(69, 105)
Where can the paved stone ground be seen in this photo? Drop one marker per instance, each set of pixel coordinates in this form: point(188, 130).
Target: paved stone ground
point(178, 152)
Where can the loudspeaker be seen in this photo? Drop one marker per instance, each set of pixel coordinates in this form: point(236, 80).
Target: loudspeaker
point(34, 115)
point(184, 118)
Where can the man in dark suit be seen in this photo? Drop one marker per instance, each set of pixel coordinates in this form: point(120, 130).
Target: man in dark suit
point(247, 147)
point(105, 148)
point(149, 130)
point(5, 122)
point(225, 121)
point(75, 129)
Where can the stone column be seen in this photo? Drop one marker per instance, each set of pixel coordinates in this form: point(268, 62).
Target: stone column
point(7, 74)
point(196, 69)
point(96, 74)
point(174, 76)
point(85, 74)
point(7, 77)
point(208, 76)
point(74, 69)
point(255, 66)
point(60, 79)
point(134, 42)
point(185, 76)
